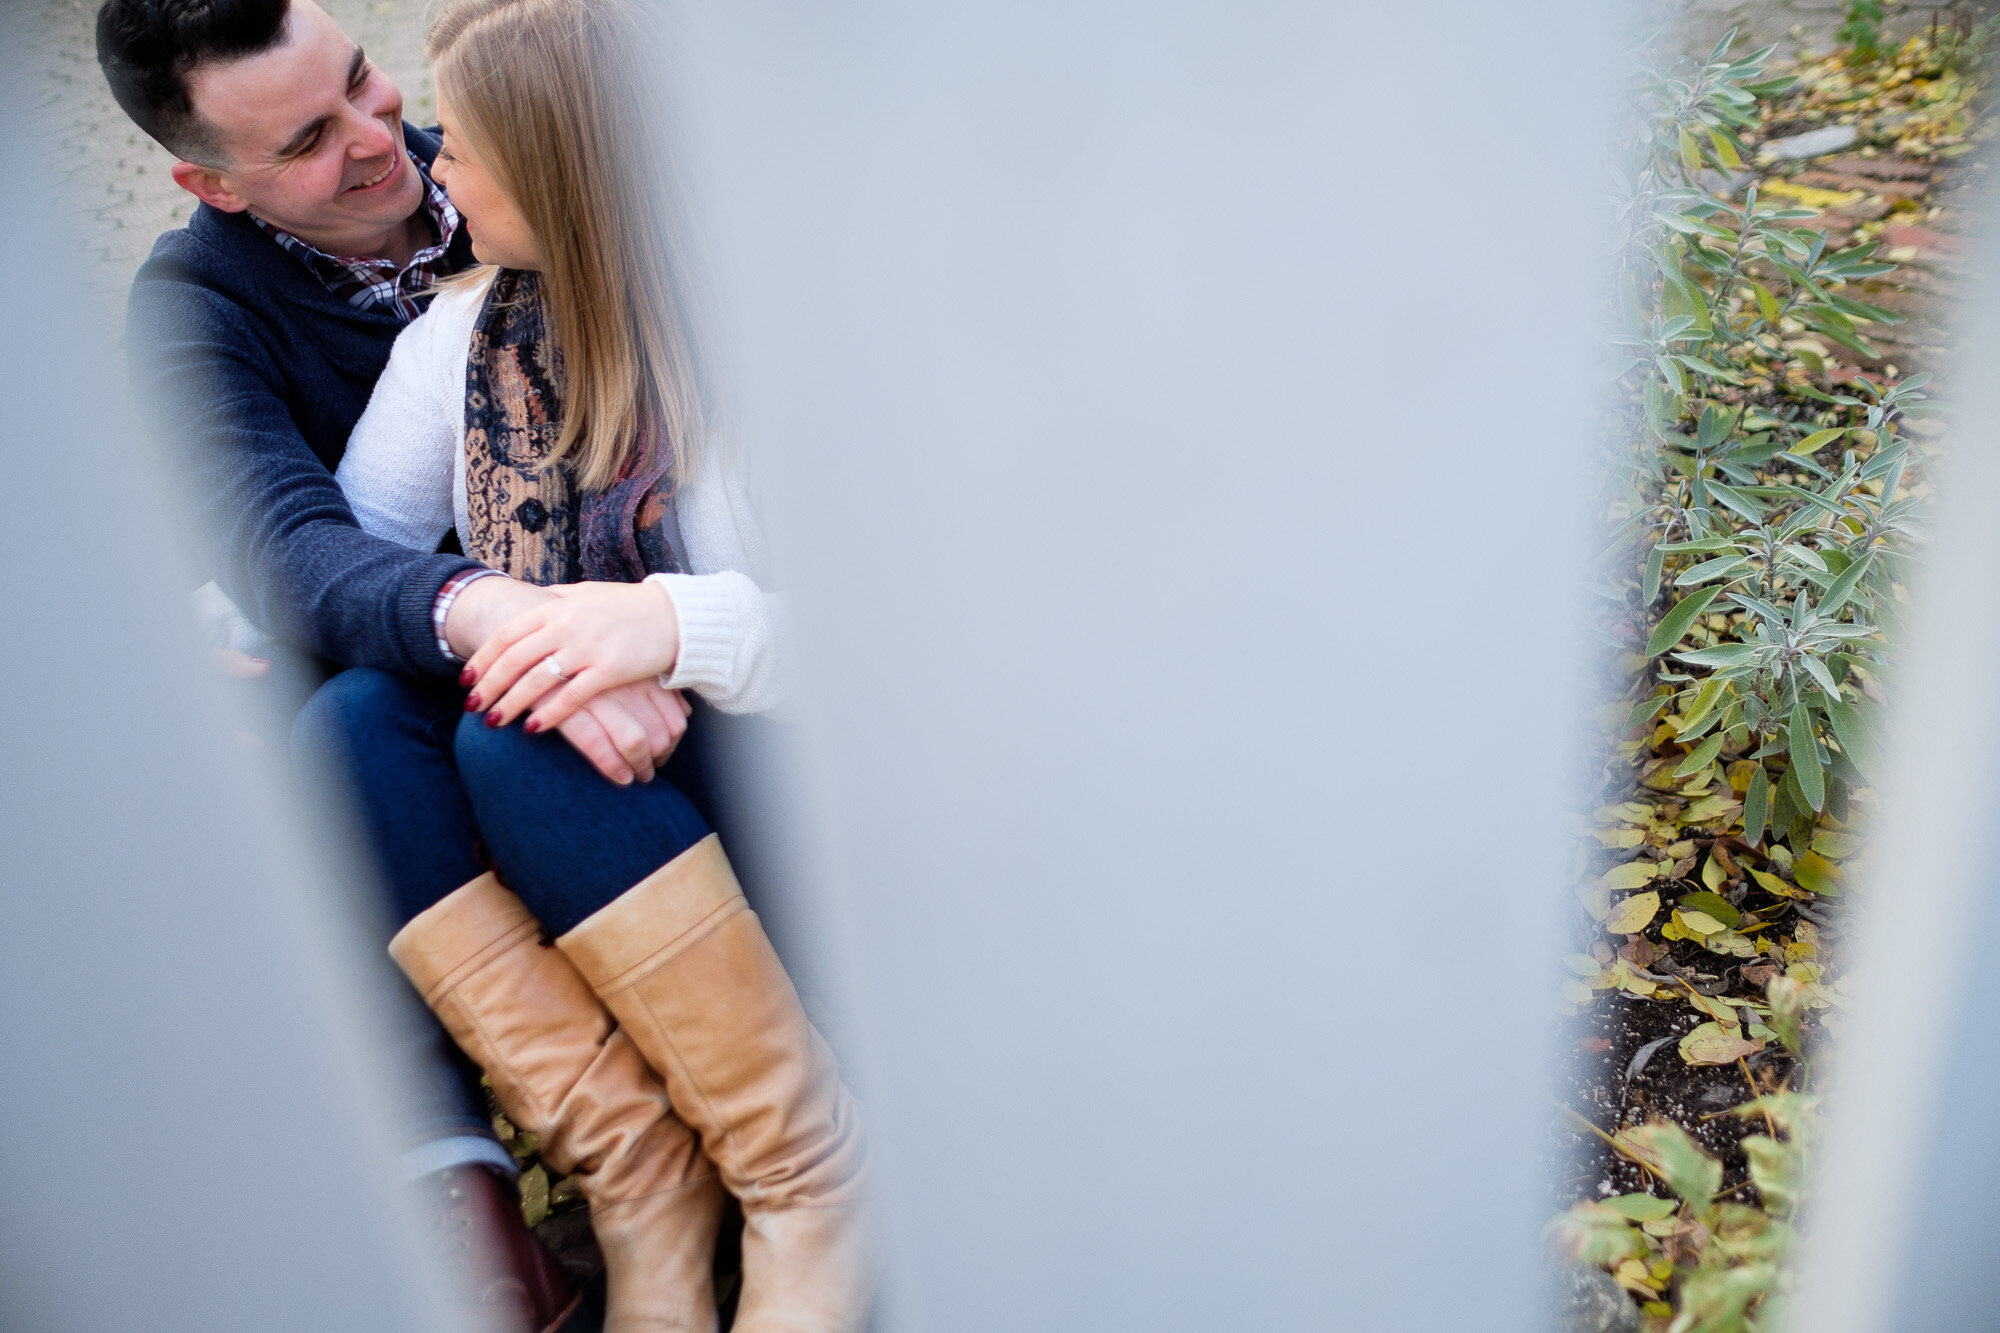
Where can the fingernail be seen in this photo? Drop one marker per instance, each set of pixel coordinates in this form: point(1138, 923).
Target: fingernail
point(532, 725)
point(466, 677)
point(471, 703)
point(493, 718)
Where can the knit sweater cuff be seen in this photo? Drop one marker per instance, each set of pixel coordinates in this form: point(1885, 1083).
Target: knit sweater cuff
point(707, 608)
point(415, 604)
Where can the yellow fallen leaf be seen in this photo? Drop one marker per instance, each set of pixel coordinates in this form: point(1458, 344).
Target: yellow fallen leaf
point(1631, 981)
point(1713, 1007)
point(1661, 777)
point(1595, 897)
point(1711, 875)
point(1581, 963)
point(534, 1195)
point(1634, 914)
point(1774, 884)
point(1621, 837)
point(1632, 874)
point(1839, 846)
point(1714, 1044)
point(1731, 943)
point(1713, 806)
point(1635, 1278)
point(1701, 923)
point(1817, 874)
point(1576, 992)
point(1813, 197)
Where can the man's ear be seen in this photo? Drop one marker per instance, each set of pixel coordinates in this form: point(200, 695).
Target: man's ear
point(210, 186)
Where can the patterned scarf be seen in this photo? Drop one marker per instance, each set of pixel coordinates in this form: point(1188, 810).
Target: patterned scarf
point(536, 523)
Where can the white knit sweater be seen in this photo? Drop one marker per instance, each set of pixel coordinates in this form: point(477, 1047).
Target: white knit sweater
point(404, 475)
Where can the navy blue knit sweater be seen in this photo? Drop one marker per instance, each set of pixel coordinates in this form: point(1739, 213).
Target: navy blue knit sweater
point(254, 375)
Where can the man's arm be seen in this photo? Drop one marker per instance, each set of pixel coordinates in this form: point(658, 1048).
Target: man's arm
point(284, 541)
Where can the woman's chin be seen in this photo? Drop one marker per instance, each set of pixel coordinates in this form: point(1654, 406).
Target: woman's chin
point(500, 258)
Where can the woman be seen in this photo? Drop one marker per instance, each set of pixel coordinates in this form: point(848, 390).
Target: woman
point(546, 407)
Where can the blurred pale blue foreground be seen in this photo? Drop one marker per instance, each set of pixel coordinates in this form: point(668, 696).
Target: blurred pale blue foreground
point(1907, 1232)
point(193, 1101)
point(1168, 411)
point(1175, 413)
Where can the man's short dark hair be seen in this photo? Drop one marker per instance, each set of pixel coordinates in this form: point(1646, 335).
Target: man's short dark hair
point(147, 49)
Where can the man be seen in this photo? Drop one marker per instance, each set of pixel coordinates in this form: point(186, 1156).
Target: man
point(257, 333)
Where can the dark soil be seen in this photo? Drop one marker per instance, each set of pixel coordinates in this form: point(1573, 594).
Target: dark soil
point(1598, 1050)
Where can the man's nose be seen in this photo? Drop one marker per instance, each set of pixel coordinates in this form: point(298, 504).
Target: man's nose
point(371, 137)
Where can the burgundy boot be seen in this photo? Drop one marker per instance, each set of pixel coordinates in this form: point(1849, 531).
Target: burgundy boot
point(492, 1263)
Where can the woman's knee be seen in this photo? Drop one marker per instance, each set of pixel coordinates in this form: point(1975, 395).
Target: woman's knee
point(517, 780)
point(505, 765)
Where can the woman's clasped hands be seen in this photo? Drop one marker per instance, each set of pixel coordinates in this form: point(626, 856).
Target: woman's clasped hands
point(555, 657)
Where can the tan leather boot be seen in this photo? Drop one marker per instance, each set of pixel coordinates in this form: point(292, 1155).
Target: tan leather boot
point(683, 963)
point(564, 1071)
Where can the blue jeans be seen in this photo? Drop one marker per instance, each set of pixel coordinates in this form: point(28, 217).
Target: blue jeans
point(444, 798)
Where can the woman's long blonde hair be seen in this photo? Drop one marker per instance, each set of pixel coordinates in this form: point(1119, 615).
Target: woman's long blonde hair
point(554, 97)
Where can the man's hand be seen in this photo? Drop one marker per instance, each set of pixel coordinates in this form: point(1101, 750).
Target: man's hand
point(627, 731)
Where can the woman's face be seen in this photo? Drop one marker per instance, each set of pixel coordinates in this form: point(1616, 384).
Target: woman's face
point(500, 235)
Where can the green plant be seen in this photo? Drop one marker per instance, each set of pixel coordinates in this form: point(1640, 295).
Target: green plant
point(1722, 1257)
point(1768, 507)
point(1761, 522)
point(1725, 1256)
point(1960, 43)
point(1861, 34)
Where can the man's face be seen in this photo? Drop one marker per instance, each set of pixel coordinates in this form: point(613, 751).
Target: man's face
point(312, 137)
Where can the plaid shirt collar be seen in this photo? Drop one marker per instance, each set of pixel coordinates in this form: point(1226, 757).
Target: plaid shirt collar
point(379, 284)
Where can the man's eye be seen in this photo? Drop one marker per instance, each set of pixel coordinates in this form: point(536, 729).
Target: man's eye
point(361, 77)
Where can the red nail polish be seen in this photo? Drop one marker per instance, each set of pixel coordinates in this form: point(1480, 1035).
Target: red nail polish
point(493, 718)
point(471, 703)
point(532, 725)
point(466, 677)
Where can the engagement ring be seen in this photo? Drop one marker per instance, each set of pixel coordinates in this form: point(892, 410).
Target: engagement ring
point(554, 669)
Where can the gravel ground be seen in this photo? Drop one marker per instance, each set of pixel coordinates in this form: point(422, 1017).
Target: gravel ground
point(1795, 25)
point(118, 193)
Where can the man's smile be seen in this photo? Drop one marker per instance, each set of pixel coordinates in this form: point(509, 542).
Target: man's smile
point(387, 172)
